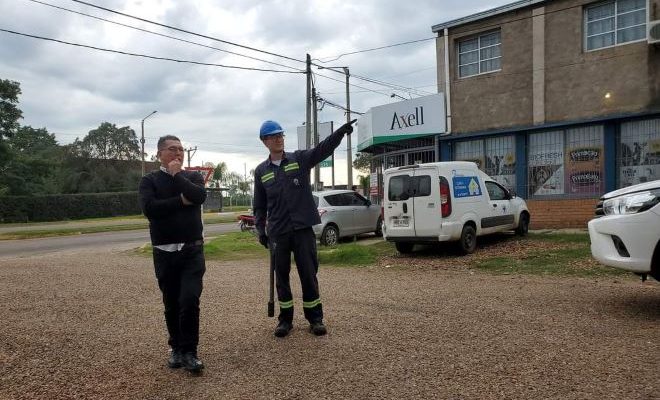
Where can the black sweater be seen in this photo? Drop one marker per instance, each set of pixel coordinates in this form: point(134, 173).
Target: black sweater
point(170, 221)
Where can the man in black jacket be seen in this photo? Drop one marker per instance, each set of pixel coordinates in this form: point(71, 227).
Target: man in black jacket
point(171, 199)
point(285, 212)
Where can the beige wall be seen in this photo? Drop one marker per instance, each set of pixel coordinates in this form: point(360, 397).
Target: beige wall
point(577, 81)
point(574, 81)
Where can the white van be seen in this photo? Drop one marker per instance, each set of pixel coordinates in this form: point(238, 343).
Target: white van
point(447, 201)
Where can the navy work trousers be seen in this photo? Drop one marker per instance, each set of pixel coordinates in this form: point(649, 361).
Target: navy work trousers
point(302, 243)
point(179, 275)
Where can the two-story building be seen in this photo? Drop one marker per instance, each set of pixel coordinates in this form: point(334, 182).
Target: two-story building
point(558, 100)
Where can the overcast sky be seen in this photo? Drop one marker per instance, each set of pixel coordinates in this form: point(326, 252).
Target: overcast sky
point(72, 90)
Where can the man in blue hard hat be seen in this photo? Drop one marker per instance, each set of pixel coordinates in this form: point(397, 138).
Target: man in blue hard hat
point(285, 212)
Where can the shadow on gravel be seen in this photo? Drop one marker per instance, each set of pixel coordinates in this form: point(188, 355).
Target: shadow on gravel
point(451, 249)
point(643, 304)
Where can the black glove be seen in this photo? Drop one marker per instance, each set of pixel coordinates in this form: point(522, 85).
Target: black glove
point(347, 128)
point(263, 239)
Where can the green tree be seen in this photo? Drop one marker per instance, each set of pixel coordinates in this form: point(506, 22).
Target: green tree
point(9, 111)
point(362, 162)
point(35, 163)
point(220, 172)
point(106, 160)
point(9, 116)
point(107, 142)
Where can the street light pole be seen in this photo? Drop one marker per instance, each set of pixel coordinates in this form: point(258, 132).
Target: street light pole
point(142, 138)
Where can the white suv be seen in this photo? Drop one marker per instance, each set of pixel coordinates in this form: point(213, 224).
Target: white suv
point(626, 232)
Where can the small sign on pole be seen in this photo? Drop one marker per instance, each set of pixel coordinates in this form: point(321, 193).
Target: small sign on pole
point(326, 163)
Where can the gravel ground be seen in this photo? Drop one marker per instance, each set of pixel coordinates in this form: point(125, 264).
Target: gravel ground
point(90, 326)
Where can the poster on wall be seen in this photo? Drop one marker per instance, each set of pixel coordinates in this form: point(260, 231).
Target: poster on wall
point(584, 160)
point(584, 170)
point(373, 184)
point(501, 161)
point(639, 152)
point(546, 164)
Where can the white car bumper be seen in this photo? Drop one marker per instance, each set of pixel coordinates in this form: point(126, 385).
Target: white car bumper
point(639, 233)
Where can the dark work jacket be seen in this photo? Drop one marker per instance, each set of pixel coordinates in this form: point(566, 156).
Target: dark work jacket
point(283, 194)
point(170, 221)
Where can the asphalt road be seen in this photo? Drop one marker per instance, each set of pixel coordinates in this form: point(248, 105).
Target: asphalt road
point(121, 240)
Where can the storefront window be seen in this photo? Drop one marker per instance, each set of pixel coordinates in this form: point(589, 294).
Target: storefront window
point(501, 160)
point(495, 156)
point(471, 150)
point(639, 152)
point(566, 162)
point(546, 163)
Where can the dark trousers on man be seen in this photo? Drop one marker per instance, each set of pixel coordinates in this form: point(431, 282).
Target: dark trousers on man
point(303, 245)
point(179, 275)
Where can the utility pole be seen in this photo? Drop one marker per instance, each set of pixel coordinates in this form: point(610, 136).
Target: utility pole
point(142, 138)
point(315, 122)
point(194, 150)
point(332, 129)
point(349, 150)
point(308, 104)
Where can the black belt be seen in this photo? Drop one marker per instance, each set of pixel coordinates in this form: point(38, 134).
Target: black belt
point(195, 243)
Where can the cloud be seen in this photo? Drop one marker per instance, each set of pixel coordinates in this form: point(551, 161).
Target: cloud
point(71, 90)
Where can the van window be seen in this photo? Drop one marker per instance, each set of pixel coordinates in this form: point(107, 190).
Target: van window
point(495, 191)
point(422, 186)
point(403, 187)
point(398, 189)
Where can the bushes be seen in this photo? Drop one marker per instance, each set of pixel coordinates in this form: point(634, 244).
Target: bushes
point(67, 206)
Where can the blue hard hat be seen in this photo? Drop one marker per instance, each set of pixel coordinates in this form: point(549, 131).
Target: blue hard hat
point(270, 128)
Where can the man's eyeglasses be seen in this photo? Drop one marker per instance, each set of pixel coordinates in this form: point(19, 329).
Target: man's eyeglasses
point(174, 149)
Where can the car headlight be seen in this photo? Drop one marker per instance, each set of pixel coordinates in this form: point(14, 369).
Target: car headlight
point(632, 203)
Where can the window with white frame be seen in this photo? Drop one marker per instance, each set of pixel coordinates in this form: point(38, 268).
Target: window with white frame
point(611, 23)
point(480, 54)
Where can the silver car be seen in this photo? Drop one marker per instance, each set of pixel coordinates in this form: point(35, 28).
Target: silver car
point(345, 213)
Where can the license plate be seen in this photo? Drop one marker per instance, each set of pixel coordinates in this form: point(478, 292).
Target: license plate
point(401, 223)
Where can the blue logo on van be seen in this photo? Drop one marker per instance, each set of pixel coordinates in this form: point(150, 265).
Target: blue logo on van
point(466, 186)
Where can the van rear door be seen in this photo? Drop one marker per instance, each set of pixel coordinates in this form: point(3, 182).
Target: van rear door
point(426, 202)
point(398, 208)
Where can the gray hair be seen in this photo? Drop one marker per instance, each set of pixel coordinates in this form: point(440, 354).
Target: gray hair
point(162, 139)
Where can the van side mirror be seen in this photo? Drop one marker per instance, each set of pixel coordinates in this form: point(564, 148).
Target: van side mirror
point(367, 203)
point(512, 193)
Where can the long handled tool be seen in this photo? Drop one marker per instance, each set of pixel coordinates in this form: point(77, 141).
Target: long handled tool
point(271, 302)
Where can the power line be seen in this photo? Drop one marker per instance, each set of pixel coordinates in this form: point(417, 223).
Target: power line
point(188, 32)
point(335, 58)
point(337, 106)
point(243, 46)
point(351, 84)
point(161, 34)
point(147, 56)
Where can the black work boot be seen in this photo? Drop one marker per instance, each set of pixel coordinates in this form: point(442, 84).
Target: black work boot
point(317, 328)
point(175, 358)
point(283, 328)
point(191, 363)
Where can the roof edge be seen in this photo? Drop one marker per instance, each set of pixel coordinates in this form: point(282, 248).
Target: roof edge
point(486, 14)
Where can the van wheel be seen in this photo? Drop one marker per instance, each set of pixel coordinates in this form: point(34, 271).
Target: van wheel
point(468, 241)
point(379, 227)
point(330, 236)
point(523, 225)
point(404, 247)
